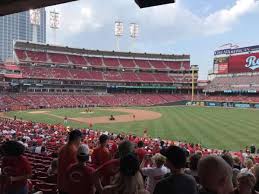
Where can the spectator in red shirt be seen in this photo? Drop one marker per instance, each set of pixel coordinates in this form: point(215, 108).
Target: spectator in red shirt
point(101, 154)
point(140, 151)
point(67, 156)
point(80, 175)
point(16, 169)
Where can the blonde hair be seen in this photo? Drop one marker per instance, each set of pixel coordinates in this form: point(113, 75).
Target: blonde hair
point(158, 159)
point(249, 163)
point(236, 160)
point(248, 177)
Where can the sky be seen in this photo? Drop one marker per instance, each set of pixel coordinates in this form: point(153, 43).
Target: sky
point(195, 27)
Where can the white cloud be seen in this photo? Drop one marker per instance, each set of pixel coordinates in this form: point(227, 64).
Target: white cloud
point(223, 20)
point(170, 23)
point(190, 24)
point(75, 17)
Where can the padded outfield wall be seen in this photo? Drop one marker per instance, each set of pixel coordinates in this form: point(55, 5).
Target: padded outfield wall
point(224, 104)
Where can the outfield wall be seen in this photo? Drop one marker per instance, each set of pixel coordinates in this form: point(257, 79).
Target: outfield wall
point(224, 104)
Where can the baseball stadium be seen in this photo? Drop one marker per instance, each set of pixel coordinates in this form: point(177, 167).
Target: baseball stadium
point(160, 93)
point(156, 101)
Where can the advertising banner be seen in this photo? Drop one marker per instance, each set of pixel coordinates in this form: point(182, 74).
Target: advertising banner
point(244, 63)
point(242, 105)
point(237, 50)
point(222, 68)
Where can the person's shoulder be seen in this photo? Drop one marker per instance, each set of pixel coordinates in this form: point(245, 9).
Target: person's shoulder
point(182, 178)
point(72, 148)
point(24, 159)
point(72, 167)
point(162, 186)
point(89, 169)
point(166, 180)
point(112, 162)
point(111, 165)
point(105, 149)
point(189, 178)
point(97, 149)
point(62, 149)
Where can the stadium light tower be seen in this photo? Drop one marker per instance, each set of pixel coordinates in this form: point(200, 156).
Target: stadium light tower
point(54, 23)
point(134, 32)
point(35, 22)
point(118, 32)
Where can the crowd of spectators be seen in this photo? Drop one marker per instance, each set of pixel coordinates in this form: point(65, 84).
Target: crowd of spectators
point(229, 98)
point(234, 82)
point(39, 100)
point(52, 158)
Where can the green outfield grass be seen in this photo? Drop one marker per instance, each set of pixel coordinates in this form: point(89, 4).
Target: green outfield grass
point(212, 127)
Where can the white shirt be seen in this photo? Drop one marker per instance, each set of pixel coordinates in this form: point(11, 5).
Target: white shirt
point(38, 149)
point(245, 170)
point(154, 175)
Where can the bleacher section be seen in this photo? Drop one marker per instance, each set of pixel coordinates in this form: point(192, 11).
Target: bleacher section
point(27, 56)
point(37, 63)
point(234, 83)
point(229, 98)
point(127, 63)
point(77, 60)
point(42, 73)
point(36, 56)
point(56, 101)
point(82, 74)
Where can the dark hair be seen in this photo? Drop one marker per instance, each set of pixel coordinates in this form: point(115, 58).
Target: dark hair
point(140, 144)
point(103, 138)
point(176, 156)
point(162, 143)
point(54, 155)
point(228, 158)
point(124, 148)
point(13, 148)
point(129, 165)
point(43, 149)
point(194, 160)
point(74, 135)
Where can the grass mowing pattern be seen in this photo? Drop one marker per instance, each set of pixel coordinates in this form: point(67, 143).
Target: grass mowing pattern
point(212, 127)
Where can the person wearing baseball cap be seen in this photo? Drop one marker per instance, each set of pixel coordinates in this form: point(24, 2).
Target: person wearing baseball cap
point(79, 176)
point(178, 181)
